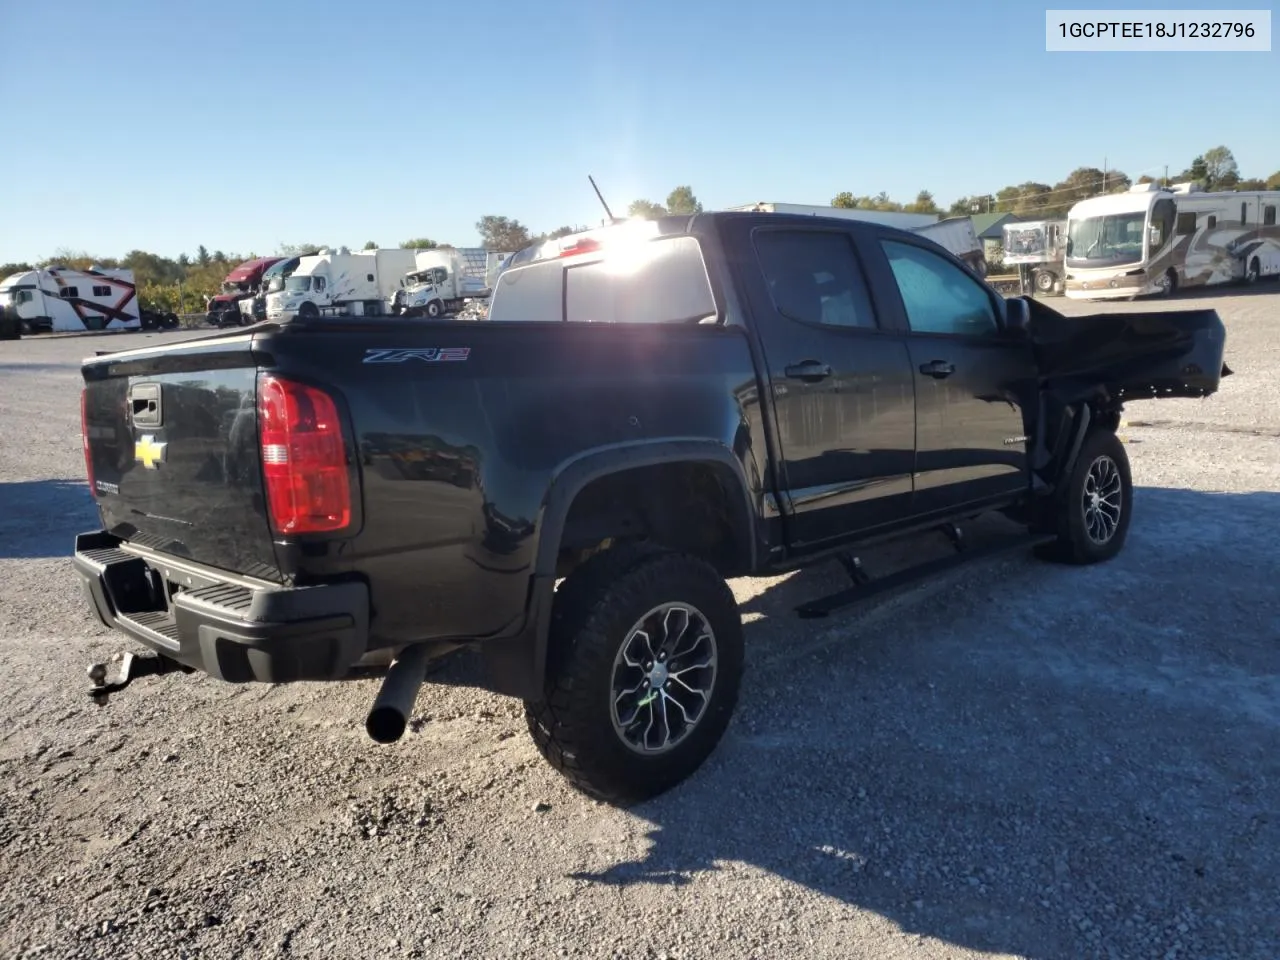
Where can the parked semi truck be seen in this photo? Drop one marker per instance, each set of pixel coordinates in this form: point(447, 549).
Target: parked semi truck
point(254, 308)
point(240, 284)
point(365, 283)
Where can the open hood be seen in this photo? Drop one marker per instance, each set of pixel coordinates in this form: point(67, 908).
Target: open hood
point(1129, 356)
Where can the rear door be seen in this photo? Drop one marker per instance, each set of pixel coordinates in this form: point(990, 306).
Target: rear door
point(841, 385)
point(973, 383)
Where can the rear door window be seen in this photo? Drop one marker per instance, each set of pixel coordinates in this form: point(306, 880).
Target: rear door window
point(657, 281)
point(813, 276)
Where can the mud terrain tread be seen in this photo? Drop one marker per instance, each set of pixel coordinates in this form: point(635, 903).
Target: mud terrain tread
point(1073, 545)
point(568, 725)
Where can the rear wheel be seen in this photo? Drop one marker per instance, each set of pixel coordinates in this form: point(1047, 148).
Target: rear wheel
point(1045, 280)
point(645, 663)
point(1092, 514)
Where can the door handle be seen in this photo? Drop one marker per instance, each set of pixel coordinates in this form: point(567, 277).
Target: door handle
point(810, 371)
point(937, 369)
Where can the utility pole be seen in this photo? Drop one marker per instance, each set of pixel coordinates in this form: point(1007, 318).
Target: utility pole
point(1104, 174)
point(1165, 182)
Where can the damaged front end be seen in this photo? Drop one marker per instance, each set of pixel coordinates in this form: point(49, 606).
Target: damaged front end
point(1089, 367)
point(1135, 356)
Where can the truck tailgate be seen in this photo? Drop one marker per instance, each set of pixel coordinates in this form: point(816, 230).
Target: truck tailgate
point(172, 452)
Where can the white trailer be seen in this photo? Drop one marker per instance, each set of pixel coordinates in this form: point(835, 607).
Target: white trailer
point(1151, 239)
point(890, 218)
point(59, 299)
point(954, 234)
point(343, 283)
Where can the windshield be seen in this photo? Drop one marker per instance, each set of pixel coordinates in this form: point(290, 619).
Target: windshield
point(1109, 241)
point(429, 276)
point(298, 284)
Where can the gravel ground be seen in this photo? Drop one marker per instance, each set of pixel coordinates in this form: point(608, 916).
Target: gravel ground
point(1016, 759)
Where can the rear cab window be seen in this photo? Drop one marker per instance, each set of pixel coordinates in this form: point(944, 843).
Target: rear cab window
point(662, 280)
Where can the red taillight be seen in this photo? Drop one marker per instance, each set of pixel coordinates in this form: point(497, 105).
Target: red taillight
point(84, 436)
point(586, 245)
point(304, 459)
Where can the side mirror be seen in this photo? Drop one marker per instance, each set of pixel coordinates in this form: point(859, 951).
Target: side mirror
point(1017, 317)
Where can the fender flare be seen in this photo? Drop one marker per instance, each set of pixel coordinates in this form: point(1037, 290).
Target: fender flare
point(517, 667)
point(572, 476)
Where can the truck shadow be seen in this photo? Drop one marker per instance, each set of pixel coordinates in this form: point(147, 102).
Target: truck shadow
point(1022, 758)
point(40, 518)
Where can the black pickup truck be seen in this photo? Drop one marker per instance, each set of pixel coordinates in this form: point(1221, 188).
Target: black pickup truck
point(649, 410)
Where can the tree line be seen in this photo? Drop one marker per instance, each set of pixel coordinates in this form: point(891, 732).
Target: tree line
point(181, 284)
point(1215, 169)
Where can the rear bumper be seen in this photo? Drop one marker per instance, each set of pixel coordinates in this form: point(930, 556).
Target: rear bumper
point(232, 629)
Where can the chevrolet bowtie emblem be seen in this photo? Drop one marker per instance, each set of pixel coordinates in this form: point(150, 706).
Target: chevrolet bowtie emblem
point(148, 453)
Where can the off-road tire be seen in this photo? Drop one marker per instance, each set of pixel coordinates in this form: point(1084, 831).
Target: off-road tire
point(593, 612)
point(1073, 543)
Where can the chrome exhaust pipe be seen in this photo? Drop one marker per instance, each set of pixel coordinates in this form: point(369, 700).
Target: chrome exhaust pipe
point(389, 715)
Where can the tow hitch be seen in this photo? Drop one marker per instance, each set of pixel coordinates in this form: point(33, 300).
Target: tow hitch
point(132, 666)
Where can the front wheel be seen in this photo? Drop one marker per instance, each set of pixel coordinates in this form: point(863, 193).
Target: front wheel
point(433, 309)
point(645, 662)
point(1096, 503)
point(1253, 271)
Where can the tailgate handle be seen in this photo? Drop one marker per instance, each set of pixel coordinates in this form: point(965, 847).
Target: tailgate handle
point(144, 404)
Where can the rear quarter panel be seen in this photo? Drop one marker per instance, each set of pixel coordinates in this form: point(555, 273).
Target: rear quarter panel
point(457, 457)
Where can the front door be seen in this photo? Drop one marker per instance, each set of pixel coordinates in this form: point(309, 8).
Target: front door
point(973, 383)
point(841, 384)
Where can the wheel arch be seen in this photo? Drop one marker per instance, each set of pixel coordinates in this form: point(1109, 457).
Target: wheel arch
point(574, 476)
point(518, 667)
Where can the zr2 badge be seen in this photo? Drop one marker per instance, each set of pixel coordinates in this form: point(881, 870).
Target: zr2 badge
point(425, 354)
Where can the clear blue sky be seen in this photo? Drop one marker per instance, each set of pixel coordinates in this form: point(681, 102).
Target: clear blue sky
point(243, 125)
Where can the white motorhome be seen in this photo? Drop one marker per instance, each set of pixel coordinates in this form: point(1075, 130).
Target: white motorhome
point(364, 283)
point(58, 299)
point(1155, 240)
point(441, 283)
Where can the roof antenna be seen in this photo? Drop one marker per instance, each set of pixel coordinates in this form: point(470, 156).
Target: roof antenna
point(600, 196)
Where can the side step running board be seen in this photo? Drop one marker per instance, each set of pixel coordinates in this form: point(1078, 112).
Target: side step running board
point(865, 587)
